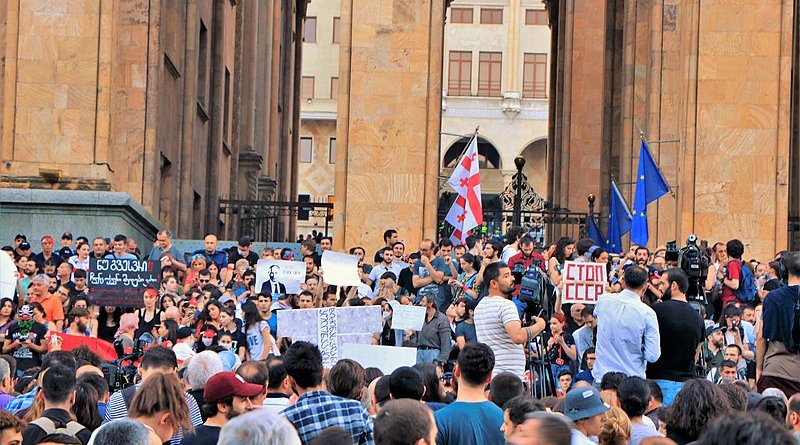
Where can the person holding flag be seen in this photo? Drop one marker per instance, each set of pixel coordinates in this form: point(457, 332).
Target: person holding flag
point(466, 212)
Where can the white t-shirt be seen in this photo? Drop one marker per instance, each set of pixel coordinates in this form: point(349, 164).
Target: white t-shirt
point(79, 264)
point(255, 341)
point(491, 317)
point(508, 252)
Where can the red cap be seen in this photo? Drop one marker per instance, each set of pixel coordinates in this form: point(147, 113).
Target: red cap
point(227, 384)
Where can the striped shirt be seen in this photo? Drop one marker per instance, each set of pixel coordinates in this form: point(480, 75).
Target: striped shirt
point(491, 317)
point(117, 410)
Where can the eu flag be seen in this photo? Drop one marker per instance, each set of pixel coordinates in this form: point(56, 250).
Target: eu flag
point(593, 232)
point(619, 221)
point(650, 185)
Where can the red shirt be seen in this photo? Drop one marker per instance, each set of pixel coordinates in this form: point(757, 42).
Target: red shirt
point(732, 272)
point(526, 264)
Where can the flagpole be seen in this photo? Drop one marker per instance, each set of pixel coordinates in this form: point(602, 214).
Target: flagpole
point(641, 136)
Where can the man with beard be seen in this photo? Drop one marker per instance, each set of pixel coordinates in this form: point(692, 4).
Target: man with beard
point(226, 396)
point(497, 322)
point(79, 322)
point(681, 329)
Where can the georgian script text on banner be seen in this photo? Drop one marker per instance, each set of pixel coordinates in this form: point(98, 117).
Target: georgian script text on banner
point(114, 282)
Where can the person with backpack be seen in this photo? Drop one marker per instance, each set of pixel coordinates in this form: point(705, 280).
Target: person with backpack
point(739, 285)
point(58, 388)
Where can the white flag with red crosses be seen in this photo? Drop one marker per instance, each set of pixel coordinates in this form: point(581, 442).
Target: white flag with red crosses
point(467, 211)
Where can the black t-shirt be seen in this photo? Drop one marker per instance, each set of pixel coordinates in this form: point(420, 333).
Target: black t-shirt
point(557, 354)
point(681, 330)
point(202, 435)
point(26, 357)
point(239, 340)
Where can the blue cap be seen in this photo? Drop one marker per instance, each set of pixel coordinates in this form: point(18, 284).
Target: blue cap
point(583, 403)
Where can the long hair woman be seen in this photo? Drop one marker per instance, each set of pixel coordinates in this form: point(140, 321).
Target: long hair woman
point(697, 404)
point(259, 339)
point(161, 405)
point(124, 339)
point(108, 322)
point(149, 315)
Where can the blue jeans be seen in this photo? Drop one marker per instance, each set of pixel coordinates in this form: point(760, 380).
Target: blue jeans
point(427, 355)
point(670, 390)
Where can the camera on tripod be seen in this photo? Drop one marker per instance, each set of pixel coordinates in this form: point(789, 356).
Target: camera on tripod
point(530, 283)
point(121, 376)
point(695, 262)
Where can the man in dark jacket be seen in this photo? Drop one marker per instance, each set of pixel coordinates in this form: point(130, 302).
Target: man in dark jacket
point(58, 388)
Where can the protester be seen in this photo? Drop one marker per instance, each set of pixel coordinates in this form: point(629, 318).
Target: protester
point(542, 428)
point(746, 429)
point(515, 411)
point(58, 389)
point(160, 404)
point(497, 322)
point(433, 341)
point(681, 331)
point(627, 329)
point(123, 432)
point(201, 368)
point(616, 429)
point(405, 422)
point(697, 404)
point(316, 409)
point(504, 387)
point(585, 407)
point(473, 372)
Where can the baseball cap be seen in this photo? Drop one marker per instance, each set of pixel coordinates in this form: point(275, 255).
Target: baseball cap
point(287, 254)
point(582, 403)
point(66, 235)
point(227, 384)
point(21, 236)
point(714, 328)
point(24, 245)
point(185, 332)
point(245, 241)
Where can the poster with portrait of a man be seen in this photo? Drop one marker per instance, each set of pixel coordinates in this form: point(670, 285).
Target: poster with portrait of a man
point(277, 278)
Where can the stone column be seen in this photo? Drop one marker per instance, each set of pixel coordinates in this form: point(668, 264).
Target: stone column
point(389, 118)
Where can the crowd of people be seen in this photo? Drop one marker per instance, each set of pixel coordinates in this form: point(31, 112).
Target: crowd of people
point(665, 356)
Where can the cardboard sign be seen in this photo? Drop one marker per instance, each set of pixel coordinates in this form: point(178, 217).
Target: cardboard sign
point(407, 317)
point(583, 282)
point(115, 282)
point(340, 269)
point(330, 328)
point(385, 358)
point(288, 275)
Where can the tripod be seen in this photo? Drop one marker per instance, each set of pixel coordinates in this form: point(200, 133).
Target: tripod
point(542, 381)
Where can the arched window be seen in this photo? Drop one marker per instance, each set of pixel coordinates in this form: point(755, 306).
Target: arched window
point(488, 157)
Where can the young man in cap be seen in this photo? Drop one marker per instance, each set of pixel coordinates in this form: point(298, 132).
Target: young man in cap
point(66, 246)
point(585, 407)
point(226, 396)
point(713, 347)
point(184, 350)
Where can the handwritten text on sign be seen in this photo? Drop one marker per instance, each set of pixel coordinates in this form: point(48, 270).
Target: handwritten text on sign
point(116, 282)
point(583, 282)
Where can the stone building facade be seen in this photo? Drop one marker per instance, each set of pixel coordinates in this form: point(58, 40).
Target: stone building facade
point(177, 104)
point(714, 85)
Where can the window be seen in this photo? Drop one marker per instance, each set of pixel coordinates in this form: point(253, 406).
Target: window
point(534, 75)
point(202, 65)
point(310, 30)
point(336, 22)
point(460, 74)
point(490, 68)
point(305, 150)
point(332, 151)
point(334, 87)
point(460, 15)
point(535, 17)
point(491, 16)
point(307, 87)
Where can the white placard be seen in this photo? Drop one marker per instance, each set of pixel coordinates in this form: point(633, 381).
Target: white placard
point(407, 316)
point(8, 276)
point(290, 274)
point(583, 282)
point(385, 358)
point(340, 269)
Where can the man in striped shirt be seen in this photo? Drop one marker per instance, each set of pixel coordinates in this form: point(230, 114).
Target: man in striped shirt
point(497, 322)
point(156, 360)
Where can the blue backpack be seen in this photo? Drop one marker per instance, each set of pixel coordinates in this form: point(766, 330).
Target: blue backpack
point(747, 286)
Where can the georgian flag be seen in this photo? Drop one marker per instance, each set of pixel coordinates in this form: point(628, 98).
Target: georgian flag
point(467, 211)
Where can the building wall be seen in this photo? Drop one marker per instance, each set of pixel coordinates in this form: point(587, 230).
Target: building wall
point(709, 84)
point(318, 112)
point(109, 96)
point(512, 123)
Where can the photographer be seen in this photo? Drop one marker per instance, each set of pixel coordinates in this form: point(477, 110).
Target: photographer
point(497, 322)
point(525, 259)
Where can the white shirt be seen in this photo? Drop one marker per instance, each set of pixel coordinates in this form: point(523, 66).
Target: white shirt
point(508, 252)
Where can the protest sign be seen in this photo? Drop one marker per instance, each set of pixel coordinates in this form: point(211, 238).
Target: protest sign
point(330, 328)
point(407, 317)
point(583, 282)
point(287, 275)
point(8, 277)
point(117, 282)
point(340, 269)
point(385, 358)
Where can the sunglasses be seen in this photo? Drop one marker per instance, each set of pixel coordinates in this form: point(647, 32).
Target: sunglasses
point(204, 281)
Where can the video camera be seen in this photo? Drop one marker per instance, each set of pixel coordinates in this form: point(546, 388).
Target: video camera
point(533, 287)
point(121, 376)
point(695, 262)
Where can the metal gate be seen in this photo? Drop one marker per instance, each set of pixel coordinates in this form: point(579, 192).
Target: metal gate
point(266, 220)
